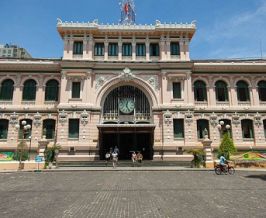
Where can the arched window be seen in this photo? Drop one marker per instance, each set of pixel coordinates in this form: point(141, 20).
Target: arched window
point(264, 126)
point(51, 90)
point(29, 90)
point(247, 129)
point(200, 91)
point(3, 128)
point(262, 90)
point(26, 134)
point(202, 125)
point(221, 91)
point(242, 91)
point(6, 91)
point(49, 128)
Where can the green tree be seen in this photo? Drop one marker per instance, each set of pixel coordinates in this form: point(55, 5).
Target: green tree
point(22, 153)
point(227, 146)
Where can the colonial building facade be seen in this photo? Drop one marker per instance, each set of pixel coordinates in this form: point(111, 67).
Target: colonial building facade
point(131, 86)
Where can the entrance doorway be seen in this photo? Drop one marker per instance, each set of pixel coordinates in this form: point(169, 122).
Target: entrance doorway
point(127, 141)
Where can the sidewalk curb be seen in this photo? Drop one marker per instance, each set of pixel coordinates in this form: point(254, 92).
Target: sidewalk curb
point(126, 169)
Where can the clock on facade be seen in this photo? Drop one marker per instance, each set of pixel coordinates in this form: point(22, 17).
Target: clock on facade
point(126, 105)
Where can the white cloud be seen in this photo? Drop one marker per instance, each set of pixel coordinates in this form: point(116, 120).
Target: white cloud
point(240, 35)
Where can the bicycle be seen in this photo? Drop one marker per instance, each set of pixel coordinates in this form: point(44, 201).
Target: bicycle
point(221, 169)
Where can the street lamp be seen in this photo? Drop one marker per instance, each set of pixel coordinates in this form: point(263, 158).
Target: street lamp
point(221, 125)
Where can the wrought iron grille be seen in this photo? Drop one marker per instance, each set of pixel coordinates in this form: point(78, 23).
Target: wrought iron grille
point(111, 111)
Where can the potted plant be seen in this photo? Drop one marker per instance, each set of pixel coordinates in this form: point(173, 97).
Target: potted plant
point(50, 155)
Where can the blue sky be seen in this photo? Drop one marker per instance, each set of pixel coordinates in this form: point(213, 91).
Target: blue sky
point(225, 28)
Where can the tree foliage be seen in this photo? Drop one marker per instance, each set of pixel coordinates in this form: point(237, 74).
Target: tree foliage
point(227, 146)
point(22, 152)
point(198, 155)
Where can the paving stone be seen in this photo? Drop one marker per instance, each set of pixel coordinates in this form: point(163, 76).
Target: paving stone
point(132, 194)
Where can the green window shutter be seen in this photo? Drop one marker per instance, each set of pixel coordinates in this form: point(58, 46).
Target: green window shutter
point(78, 48)
point(175, 48)
point(29, 91)
point(178, 128)
point(113, 49)
point(3, 129)
point(73, 129)
point(221, 91)
point(200, 91)
point(99, 49)
point(75, 89)
point(247, 129)
point(7, 89)
point(201, 126)
point(154, 49)
point(140, 49)
point(126, 49)
point(262, 90)
point(242, 91)
point(49, 128)
point(177, 90)
point(51, 90)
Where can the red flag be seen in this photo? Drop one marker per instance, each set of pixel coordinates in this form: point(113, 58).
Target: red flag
point(126, 8)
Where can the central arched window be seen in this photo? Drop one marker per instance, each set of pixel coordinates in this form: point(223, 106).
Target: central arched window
point(29, 90)
point(6, 91)
point(200, 91)
point(242, 91)
point(221, 91)
point(262, 90)
point(126, 102)
point(51, 90)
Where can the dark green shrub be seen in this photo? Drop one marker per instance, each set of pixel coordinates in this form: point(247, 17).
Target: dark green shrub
point(226, 147)
point(199, 156)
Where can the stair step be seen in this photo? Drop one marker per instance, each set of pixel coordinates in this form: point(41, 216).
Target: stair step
point(124, 163)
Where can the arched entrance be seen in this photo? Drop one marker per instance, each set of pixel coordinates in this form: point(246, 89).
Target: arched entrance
point(126, 122)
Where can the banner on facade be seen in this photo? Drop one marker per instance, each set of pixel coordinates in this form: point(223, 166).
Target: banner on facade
point(6, 156)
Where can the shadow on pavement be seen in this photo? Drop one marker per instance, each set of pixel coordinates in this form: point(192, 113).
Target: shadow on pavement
point(262, 177)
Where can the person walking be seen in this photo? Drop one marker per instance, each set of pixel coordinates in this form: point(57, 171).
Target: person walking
point(107, 158)
point(133, 158)
point(115, 159)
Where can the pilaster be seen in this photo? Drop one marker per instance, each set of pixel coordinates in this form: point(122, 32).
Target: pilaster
point(133, 48)
point(147, 42)
point(120, 43)
point(106, 43)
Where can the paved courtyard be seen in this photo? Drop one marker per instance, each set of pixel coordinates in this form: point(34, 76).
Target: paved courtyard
point(132, 194)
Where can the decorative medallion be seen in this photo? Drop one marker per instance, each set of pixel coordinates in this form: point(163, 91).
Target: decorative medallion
point(13, 119)
point(127, 75)
point(189, 117)
point(257, 119)
point(236, 119)
point(214, 119)
point(62, 116)
point(37, 119)
point(84, 117)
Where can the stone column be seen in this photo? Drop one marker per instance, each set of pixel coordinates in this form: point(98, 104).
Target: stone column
point(90, 48)
point(133, 49)
point(70, 47)
point(120, 44)
point(66, 48)
point(168, 49)
point(187, 50)
point(255, 95)
point(189, 91)
point(106, 43)
point(212, 96)
point(182, 49)
point(85, 48)
point(40, 92)
point(162, 48)
point(147, 48)
point(208, 152)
